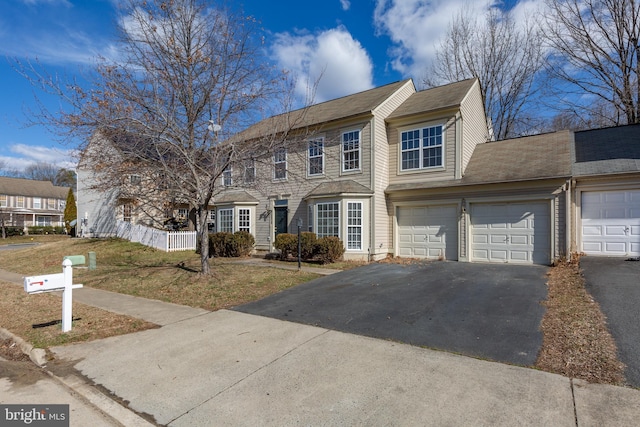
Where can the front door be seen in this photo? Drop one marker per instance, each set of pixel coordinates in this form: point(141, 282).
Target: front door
point(281, 219)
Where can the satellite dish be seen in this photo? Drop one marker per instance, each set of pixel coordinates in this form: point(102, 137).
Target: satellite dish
point(213, 127)
point(73, 223)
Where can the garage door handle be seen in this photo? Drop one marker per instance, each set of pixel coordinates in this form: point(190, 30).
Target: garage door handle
point(506, 240)
point(626, 230)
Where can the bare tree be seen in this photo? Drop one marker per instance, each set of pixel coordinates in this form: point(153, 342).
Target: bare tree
point(41, 171)
point(595, 55)
point(189, 75)
point(504, 55)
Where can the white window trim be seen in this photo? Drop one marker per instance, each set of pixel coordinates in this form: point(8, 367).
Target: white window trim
point(241, 227)
point(317, 218)
point(39, 204)
point(19, 201)
point(275, 163)
point(228, 172)
point(221, 214)
point(359, 226)
point(51, 204)
point(309, 157)
point(359, 151)
point(421, 128)
point(4, 201)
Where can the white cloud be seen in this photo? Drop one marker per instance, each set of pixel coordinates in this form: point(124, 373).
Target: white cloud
point(333, 56)
point(26, 155)
point(415, 28)
point(346, 4)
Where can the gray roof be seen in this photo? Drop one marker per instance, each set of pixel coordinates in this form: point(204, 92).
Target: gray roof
point(234, 197)
point(31, 188)
point(607, 151)
point(334, 188)
point(437, 98)
point(527, 158)
point(347, 106)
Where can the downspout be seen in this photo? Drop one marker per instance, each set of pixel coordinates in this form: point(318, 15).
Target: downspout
point(568, 232)
point(372, 205)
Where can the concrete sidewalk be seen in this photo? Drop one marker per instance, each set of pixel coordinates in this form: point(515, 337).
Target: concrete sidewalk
point(230, 368)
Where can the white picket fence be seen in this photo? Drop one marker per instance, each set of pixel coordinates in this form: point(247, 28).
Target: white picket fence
point(168, 241)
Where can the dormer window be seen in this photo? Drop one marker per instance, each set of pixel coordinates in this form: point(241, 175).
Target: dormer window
point(421, 148)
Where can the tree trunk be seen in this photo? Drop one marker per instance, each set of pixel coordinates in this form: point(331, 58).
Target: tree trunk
point(203, 238)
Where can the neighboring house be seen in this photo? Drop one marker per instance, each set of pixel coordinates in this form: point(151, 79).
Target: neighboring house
point(606, 180)
point(25, 203)
point(395, 171)
point(134, 196)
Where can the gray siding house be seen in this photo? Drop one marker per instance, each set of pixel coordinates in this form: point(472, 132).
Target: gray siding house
point(26, 202)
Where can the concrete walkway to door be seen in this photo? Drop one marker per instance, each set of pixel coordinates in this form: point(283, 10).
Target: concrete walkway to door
point(490, 311)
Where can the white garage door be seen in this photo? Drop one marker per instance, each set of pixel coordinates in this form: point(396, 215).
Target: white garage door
point(611, 223)
point(511, 232)
point(428, 232)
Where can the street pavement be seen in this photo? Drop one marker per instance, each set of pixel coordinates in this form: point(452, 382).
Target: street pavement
point(238, 369)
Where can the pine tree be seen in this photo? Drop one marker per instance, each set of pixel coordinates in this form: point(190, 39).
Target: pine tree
point(70, 211)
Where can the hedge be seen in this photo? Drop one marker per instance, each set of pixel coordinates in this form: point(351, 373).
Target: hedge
point(325, 249)
point(46, 229)
point(226, 245)
point(13, 231)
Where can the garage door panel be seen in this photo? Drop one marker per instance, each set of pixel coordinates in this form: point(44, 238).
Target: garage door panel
point(517, 232)
point(610, 220)
point(428, 232)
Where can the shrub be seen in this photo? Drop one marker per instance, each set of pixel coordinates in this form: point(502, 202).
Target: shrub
point(219, 243)
point(46, 229)
point(13, 231)
point(243, 243)
point(308, 243)
point(287, 244)
point(225, 244)
point(329, 249)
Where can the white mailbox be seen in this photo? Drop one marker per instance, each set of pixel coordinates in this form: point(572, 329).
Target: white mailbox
point(56, 282)
point(45, 283)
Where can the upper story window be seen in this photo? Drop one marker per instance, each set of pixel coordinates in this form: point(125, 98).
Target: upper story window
point(19, 201)
point(351, 151)
point(62, 204)
point(227, 180)
point(280, 164)
point(3, 201)
point(37, 203)
point(51, 204)
point(135, 179)
point(249, 171)
point(422, 148)
point(127, 212)
point(316, 157)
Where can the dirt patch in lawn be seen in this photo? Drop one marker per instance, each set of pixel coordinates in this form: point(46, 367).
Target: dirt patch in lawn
point(576, 341)
point(36, 318)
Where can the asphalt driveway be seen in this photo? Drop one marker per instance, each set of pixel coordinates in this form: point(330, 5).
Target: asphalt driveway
point(489, 311)
point(615, 284)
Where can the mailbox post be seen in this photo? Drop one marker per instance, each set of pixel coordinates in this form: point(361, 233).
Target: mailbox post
point(56, 282)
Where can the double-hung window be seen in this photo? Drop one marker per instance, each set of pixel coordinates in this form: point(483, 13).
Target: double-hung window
point(421, 148)
point(19, 201)
point(227, 180)
point(3, 201)
point(51, 204)
point(351, 151)
point(127, 212)
point(354, 225)
point(280, 164)
point(328, 219)
point(225, 217)
point(249, 171)
point(37, 203)
point(316, 157)
point(244, 220)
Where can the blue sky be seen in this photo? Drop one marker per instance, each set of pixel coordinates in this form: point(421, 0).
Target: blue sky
point(357, 44)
